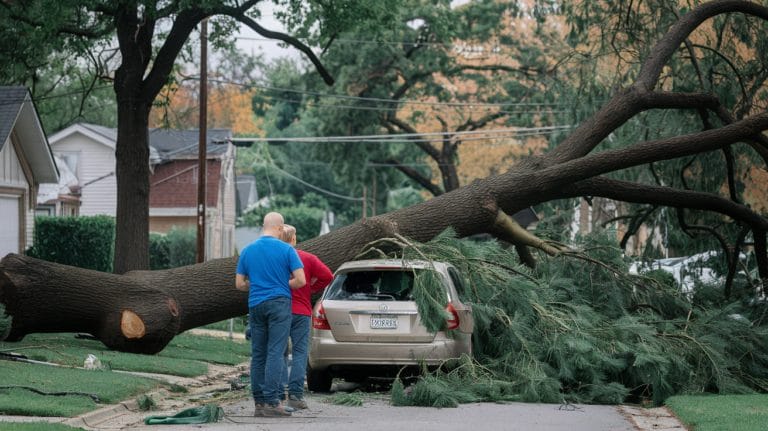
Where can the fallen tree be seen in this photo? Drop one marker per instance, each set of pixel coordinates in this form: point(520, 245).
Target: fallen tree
point(140, 311)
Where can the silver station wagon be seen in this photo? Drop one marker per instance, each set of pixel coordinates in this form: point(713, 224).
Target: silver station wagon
point(367, 324)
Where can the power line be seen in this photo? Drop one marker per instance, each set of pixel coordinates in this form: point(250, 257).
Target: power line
point(312, 186)
point(474, 48)
point(381, 100)
point(471, 135)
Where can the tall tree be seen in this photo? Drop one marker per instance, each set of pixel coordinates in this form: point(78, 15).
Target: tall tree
point(151, 35)
point(141, 311)
point(452, 72)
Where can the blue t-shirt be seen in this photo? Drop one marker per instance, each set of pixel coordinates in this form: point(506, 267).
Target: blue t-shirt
point(268, 264)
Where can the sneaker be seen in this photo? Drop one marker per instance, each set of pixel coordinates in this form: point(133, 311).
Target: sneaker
point(297, 403)
point(274, 411)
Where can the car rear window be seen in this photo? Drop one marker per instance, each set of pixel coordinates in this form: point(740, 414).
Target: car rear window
point(373, 285)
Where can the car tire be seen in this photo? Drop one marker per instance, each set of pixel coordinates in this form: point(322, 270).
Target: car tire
point(318, 380)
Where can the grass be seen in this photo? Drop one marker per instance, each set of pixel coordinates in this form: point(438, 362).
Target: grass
point(186, 355)
point(34, 426)
point(721, 412)
point(208, 349)
point(109, 387)
point(238, 326)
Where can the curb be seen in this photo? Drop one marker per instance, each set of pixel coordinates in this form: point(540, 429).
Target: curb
point(656, 419)
point(127, 408)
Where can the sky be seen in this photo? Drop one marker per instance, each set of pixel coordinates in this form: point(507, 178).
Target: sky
point(253, 43)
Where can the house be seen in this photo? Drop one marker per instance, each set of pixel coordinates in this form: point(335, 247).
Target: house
point(26, 161)
point(173, 186)
point(88, 151)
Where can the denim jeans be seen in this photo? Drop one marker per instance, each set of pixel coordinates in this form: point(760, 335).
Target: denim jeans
point(270, 324)
point(300, 354)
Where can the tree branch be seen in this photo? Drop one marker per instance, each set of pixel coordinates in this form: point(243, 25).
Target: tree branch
point(676, 35)
point(507, 229)
point(658, 195)
point(628, 102)
point(185, 22)
point(290, 40)
point(646, 152)
point(425, 146)
point(416, 176)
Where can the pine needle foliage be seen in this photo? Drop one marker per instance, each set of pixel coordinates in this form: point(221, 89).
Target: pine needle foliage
point(581, 329)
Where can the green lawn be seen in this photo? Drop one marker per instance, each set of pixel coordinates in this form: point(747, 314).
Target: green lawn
point(721, 412)
point(238, 325)
point(109, 387)
point(186, 355)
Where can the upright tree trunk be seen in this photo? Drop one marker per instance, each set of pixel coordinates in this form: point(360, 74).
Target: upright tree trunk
point(132, 217)
point(132, 154)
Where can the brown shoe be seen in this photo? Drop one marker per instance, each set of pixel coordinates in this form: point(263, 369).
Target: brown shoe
point(275, 411)
point(258, 410)
point(297, 403)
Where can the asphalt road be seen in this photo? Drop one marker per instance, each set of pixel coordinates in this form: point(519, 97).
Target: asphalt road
point(377, 414)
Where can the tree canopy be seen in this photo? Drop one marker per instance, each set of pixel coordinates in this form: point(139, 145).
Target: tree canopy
point(150, 36)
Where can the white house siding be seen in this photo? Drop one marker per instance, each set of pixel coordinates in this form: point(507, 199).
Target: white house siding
point(13, 184)
point(96, 165)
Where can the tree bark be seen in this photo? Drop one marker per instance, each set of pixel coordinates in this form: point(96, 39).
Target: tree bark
point(141, 311)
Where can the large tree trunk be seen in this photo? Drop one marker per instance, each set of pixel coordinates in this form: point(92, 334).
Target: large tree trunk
point(141, 311)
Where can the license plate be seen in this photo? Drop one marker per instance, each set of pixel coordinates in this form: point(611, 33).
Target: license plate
point(383, 322)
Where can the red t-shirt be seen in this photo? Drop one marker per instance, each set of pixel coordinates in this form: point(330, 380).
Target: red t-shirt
point(318, 276)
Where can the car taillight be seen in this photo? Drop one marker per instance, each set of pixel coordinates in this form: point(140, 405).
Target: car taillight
point(318, 319)
point(453, 321)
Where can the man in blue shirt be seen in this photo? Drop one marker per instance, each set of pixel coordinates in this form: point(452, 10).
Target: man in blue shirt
point(268, 269)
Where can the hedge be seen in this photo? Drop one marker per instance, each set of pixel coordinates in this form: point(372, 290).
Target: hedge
point(85, 242)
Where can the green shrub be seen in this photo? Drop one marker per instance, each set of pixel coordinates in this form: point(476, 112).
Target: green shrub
point(159, 251)
point(85, 242)
point(182, 246)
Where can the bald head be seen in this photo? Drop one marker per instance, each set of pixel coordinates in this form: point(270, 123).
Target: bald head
point(273, 224)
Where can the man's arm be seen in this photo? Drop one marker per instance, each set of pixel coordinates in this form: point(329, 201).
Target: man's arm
point(297, 279)
point(242, 283)
point(321, 276)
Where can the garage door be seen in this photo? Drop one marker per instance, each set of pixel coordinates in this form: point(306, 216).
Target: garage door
point(9, 225)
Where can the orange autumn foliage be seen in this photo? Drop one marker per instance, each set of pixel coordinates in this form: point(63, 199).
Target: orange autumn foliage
point(229, 106)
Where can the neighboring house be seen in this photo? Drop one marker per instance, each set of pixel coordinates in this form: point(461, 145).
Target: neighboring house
point(89, 151)
point(62, 198)
point(25, 162)
point(173, 186)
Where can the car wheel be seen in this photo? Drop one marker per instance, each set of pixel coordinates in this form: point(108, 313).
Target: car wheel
point(318, 380)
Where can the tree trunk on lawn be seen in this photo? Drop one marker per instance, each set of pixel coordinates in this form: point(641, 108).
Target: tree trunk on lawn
point(141, 311)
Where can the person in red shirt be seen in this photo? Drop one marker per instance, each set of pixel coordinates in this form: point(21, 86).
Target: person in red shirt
point(318, 276)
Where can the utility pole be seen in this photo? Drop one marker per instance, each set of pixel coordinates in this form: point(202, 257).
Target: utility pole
point(202, 150)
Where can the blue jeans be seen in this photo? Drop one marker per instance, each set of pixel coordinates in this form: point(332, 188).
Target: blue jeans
point(300, 354)
point(270, 324)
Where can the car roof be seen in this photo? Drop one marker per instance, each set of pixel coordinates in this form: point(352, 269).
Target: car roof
point(391, 264)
